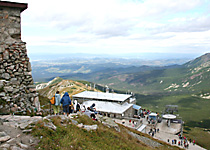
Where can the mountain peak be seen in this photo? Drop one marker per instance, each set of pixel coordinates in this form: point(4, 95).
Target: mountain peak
point(199, 61)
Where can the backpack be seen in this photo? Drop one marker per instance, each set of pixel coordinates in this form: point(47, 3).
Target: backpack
point(52, 100)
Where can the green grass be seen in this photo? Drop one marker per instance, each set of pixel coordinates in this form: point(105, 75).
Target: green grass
point(2, 89)
point(57, 80)
point(190, 108)
point(43, 100)
point(200, 136)
point(72, 137)
point(84, 82)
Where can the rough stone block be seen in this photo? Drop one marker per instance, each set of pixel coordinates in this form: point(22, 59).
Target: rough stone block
point(8, 89)
point(4, 137)
point(6, 76)
point(6, 55)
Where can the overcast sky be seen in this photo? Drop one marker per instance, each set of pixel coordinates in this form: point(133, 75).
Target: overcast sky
point(116, 26)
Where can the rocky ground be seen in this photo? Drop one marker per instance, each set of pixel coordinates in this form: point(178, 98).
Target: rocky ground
point(13, 132)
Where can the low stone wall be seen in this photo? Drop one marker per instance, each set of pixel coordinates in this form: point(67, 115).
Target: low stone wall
point(17, 92)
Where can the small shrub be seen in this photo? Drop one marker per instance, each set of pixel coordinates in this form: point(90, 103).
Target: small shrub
point(2, 89)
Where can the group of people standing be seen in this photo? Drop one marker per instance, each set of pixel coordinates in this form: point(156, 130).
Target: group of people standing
point(66, 102)
point(182, 142)
point(152, 131)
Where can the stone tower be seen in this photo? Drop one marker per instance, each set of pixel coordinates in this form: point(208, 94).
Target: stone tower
point(17, 92)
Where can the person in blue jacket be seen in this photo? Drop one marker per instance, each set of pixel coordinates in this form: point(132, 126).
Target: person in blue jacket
point(65, 101)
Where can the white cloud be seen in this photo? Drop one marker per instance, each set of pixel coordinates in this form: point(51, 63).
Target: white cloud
point(118, 25)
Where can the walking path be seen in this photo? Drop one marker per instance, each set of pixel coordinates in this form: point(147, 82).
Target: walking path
point(164, 133)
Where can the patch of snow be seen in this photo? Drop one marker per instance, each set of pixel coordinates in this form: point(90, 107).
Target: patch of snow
point(172, 86)
point(185, 84)
point(197, 83)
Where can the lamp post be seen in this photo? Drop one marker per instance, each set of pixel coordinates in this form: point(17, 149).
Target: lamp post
point(181, 127)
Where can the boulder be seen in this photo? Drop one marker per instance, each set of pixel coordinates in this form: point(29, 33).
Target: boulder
point(24, 146)
point(5, 146)
point(2, 94)
point(4, 137)
point(16, 148)
point(74, 122)
point(27, 131)
point(90, 127)
point(50, 125)
point(80, 125)
point(25, 124)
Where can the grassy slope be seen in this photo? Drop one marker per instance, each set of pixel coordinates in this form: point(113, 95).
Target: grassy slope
point(200, 136)
point(76, 87)
point(190, 108)
point(70, 136)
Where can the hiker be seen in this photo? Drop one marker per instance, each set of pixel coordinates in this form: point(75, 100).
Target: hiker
point(158, 130)
point(66, 102)
point(92, 107)
point(153, 133)
point(90, 114)
point(83, 108)
point(193, 142)
point(78, 107)
point(75, 106)
point(71, 108)
point(56, 107)
point(174, 141)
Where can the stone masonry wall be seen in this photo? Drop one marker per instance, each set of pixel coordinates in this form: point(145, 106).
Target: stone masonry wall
point(16, 83)
point(17, 92)
point(10, 25)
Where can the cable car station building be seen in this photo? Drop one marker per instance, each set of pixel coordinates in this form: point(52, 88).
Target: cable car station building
point(109, 104)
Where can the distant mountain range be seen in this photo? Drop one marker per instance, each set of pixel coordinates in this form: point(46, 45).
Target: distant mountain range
point(129, 74)
point(47, 67)
point(189, 77)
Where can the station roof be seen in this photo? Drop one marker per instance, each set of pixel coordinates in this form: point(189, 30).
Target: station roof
point(108, 107)
point(137, 107)
point(103, 96)
point(169, 116)
point(21, 6)
point(153, 114)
